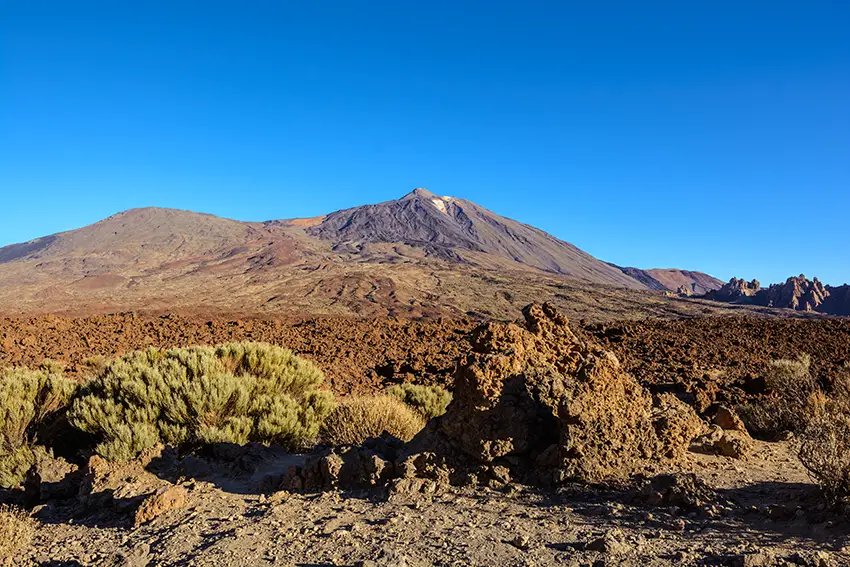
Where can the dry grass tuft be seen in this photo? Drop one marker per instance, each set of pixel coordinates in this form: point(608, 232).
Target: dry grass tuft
point(357, 419)
point(17, 529)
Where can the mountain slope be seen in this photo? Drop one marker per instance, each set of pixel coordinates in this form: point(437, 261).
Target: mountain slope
point(421, 255)
point(686, 282)
point(459, 230)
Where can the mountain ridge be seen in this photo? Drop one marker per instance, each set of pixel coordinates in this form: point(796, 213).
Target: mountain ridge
point(421, 255)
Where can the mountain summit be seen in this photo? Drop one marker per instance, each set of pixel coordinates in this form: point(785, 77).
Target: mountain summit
point(459, 230)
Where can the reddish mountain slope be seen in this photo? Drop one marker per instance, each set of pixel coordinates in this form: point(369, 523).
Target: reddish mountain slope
point(421, 255)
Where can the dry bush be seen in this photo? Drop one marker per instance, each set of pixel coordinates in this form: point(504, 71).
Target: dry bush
point(30, 401)
point(356, 419)
point(233, 393)
point(430, 401)
point(790, 385)
point(17, 529)
point(825, 443)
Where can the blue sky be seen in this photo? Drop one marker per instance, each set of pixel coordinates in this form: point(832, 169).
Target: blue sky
point(703, 135)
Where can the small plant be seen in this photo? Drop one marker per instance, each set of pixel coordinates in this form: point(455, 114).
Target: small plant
point(790, 386)
point(30, 402)
point(356, 419)
point(430, 401)
point(16, 532)
point(825, 443)
point(233, 393)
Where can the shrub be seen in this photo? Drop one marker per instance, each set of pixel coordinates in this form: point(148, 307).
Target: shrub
point(430, 401)
point(16, 531)
point(233, 393)
point(356, 419)
point(30, 402)
point(786, 408)
point(825, 443)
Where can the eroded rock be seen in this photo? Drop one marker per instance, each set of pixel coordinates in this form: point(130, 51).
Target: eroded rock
point(549, 406)
point(164, 500)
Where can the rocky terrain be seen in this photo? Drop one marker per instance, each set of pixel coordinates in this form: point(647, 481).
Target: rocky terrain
point(797, 293)
point(421, 255)
point(363, 354)
point(553, 451)
point(729, 513)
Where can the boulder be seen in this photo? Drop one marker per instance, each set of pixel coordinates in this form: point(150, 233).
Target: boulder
point(549, 406)
point(162, 501)
point(729, 420)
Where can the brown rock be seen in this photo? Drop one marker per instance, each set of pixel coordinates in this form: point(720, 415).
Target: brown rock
point(676, 425)
point(545, 404)
point(734, 444)
point(728, 419)
point(161, 502)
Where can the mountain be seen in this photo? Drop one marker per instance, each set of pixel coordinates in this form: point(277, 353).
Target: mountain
point(684, 282)
point(459, 230)
point(798, 293)
point(421, 255)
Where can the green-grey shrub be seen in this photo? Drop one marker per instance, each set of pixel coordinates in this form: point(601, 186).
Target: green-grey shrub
point(430, 401)
point(29, 401)
point(233, 393)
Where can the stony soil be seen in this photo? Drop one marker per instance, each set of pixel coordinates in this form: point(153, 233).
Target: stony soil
point(361, 354)
point(730, 349)
point(755, 512)
point(355, 354)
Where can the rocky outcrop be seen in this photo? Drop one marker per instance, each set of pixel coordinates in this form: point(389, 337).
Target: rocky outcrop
point(540, 402)
point(838, 302)
point(736, 291)
point(797, 293)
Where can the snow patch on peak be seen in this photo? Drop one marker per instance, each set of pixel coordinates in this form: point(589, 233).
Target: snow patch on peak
point(440, 204)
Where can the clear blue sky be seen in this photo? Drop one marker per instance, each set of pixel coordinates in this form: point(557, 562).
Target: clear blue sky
point(703, 135)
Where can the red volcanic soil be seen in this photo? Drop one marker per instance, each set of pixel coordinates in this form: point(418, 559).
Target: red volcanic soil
point(723, 356)
point(356, 354)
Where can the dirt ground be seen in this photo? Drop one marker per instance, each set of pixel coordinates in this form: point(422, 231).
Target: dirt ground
point(754, 512)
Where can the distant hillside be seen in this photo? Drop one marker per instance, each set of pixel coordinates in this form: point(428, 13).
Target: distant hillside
point(685, 282)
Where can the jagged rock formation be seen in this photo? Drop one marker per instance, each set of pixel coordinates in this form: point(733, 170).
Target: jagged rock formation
point(735, 291)
point(797, 293)
point(539, 402)
point(838, 302)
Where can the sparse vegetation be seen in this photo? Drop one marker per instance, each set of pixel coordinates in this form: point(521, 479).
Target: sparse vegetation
point(430, 401)
point(790, 386)
point(234, 393)
point(30, 400)
point(16, 531)
point(825, 443)
point(356, 419)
